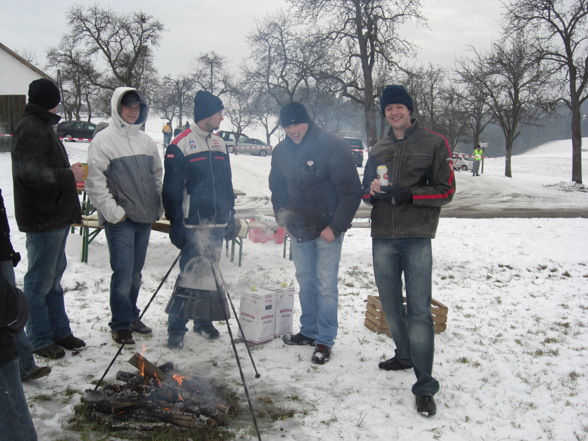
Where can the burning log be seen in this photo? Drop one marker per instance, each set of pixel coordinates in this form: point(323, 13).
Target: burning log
point(146, 367)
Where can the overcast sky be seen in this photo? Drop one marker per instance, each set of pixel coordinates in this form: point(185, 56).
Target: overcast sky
point(198, 26)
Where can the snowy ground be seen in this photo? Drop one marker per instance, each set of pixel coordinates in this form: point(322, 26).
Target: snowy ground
point(512, 363)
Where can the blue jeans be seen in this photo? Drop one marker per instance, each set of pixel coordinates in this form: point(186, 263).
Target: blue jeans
point(411, 326)
point(15, 419)
point(25, 351)
point(48, 321)
point(317, 270)
point(206, 242)
point(127, 243)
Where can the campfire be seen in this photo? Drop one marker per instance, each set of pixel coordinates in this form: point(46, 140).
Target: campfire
point(154, 397)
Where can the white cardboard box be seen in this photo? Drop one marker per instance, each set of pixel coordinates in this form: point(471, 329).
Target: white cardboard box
point(265, 314)
point(284, 310)
point(257, 315)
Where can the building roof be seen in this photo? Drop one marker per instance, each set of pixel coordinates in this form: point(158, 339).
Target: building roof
point(25, 62)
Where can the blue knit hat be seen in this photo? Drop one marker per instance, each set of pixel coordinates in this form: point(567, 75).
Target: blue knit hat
point(395, 95)
point(206, 104)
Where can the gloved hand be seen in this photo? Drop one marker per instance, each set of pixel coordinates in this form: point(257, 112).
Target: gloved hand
point(177, 235)
point(232, 230)
point(394, 194)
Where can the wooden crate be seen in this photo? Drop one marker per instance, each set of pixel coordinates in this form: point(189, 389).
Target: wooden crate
point(375, 319)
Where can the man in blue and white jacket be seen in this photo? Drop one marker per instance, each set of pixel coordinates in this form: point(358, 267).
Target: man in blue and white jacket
point(198, 198)
point(124, 184)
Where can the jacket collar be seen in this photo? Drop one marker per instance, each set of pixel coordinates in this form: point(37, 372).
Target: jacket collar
point(48, 117)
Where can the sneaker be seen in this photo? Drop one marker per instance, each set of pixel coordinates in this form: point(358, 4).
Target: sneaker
point(297, 339)
point(321, 354)
point(175, 341)
point(206, 329)
point(394, 364)
point(123, 336)
point(52, 351)
point(426, 405)
point(71, 342)
point(36, 373)
point(139, 327)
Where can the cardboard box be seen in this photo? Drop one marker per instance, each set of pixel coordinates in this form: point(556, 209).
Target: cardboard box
point(257, 315)
point(284, 310)
point(265, 313)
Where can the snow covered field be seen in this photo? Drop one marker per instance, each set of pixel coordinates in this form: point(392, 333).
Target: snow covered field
point(512, 363)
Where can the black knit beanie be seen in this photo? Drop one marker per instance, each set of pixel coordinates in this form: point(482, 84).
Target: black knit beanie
point(44, 93)
point(395, 95)
point(131, 97)
point(206, 104)
point(293, 113)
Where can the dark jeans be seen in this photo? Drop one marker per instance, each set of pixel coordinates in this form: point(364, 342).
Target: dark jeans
point(412, 326)
point(48, 321)
point(15, 419)
point(205, 242)
point(127, 243)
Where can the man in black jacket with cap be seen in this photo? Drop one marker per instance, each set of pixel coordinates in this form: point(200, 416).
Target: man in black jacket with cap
point(46, 205)
point(315, 194)
point(198, 198)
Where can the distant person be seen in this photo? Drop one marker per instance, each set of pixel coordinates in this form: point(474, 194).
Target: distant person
point(178, 130)
point(187, 125)
point(478, 155)
point(167, 134)
point(9, 258)
point(315, 192)
point(124, 184)
point(46, 205)
point(16, 423)
point(406, 207)
point(198, 198)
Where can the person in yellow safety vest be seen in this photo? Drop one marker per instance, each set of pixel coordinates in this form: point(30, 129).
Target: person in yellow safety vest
point(478, 153)
point(167, 134)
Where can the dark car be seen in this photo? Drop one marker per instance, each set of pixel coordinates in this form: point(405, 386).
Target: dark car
point(76, 129)
point(356, 146)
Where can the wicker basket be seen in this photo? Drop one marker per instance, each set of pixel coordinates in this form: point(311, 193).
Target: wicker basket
point(375, 318)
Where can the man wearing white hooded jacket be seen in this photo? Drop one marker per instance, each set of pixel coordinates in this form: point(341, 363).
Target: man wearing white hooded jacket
point(124, 184)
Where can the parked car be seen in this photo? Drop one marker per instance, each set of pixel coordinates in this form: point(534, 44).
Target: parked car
point(356, 146)
point(461, 161)
point(76, 129)
point(230, 138)
point(252, 146)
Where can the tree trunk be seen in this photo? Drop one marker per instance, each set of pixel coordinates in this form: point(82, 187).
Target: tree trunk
point(507, 165)
point(576, 144)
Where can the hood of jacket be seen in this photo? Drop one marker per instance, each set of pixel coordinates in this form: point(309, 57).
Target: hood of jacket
point(115, 107)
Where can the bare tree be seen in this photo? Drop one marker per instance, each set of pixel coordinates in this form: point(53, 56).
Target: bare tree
point(173, 95)
point(511, 77)
point(123, 45)
point(210, 73)
point(561, 31)
point(238, 108)
point(364, 32)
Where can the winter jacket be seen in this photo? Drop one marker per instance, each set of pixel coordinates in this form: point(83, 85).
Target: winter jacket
point(314, 184)
point(124, 169)
point(197, 186)
point(14, 312)
point(6, 250)
point(45, 195)
point(420, 161)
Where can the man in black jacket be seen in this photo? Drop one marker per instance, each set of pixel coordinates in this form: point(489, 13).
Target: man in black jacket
point(407, 201)
point(15, 419)
point(46, 205)
point(315, 194)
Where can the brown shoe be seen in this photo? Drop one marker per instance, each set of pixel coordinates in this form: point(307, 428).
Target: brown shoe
point(36, 373)
point(52, 351)
point(123, 336)
point(71, 342)
point(140, 327)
